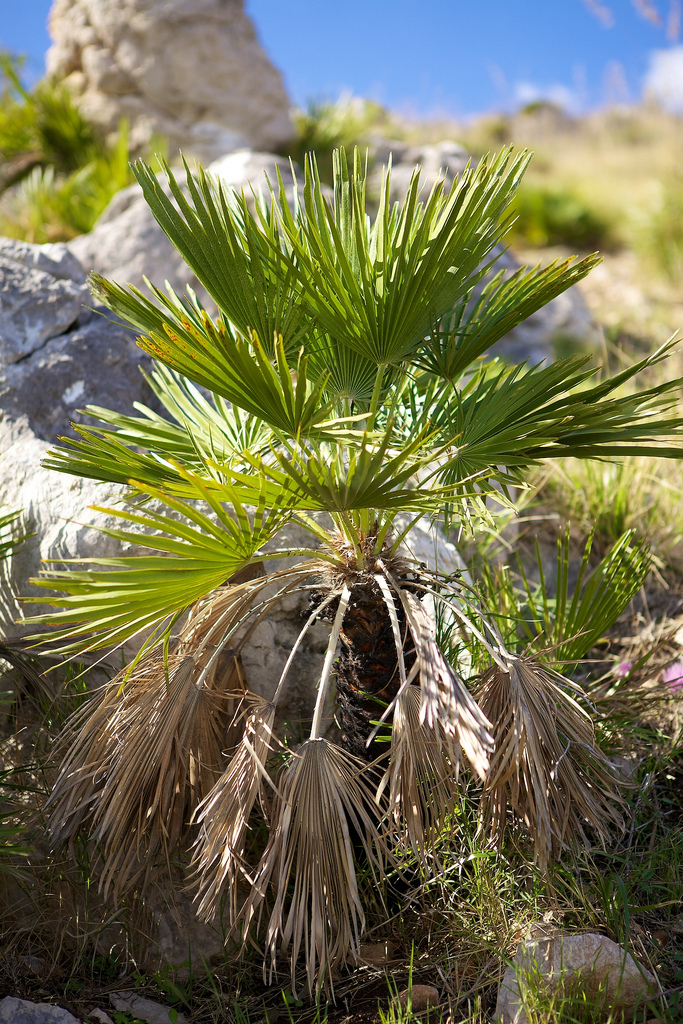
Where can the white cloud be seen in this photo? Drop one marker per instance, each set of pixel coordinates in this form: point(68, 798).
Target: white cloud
point(664, 79)
point(561, 95)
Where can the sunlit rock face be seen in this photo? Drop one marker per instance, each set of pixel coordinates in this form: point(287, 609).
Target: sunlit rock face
point(190, 70)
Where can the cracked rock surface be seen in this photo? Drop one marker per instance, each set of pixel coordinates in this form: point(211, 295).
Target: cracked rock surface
point(56, 356)
point(34, 306)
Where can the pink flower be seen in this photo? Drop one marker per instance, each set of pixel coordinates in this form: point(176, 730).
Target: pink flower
point(623, 668)
point(673, 676)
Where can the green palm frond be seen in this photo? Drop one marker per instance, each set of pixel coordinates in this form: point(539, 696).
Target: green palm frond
point(516, 417)
point(197, 435)
point(230, 251)
point(572, 622)
point(11, 536)
point(211, 353)
point(476, 324)
point(566, 613)
point(379, 290)
point(342, 479)
point(138, 592)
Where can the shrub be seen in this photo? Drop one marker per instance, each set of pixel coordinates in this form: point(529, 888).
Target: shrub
point(40, 128)
point(554, 216)
point(57, 172)
point(324, 126)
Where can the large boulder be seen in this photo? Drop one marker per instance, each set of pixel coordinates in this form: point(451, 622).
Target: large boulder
point(190, 70)
point(89, 358)
point(59, 356)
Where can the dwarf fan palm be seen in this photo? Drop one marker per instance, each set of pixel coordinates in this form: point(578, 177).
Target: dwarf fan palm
point(346, 377)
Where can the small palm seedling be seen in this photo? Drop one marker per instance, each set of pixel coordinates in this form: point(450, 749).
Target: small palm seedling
point(341, 386)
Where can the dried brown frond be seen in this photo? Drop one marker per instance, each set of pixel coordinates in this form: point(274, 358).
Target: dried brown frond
point(86, 744)
point(167, 751)
point(422, 775)
point(148, 747)
point(324, 795)
point(446, 701)
point(223, 815)
point(546, 764)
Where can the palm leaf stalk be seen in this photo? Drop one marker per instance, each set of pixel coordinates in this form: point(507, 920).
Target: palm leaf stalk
point(342, 388)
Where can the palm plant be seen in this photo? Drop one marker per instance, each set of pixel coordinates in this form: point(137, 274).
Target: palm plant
point(341, 386)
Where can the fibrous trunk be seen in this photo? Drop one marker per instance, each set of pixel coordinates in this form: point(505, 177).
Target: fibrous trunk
point(367, 671)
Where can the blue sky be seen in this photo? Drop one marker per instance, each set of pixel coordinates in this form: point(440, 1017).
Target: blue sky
point(453, 57)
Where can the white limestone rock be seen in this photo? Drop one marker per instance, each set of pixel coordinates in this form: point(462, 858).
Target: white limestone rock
point(34, 306)
point(591, 963)
point(190, 70)
point(64, 357)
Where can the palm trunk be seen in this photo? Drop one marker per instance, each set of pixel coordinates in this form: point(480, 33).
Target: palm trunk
point(367, 671)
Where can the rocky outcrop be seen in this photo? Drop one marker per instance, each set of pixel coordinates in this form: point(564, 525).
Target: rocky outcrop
point(56, 357)
point(190, 70)
point(548, 963)
point(92, 359)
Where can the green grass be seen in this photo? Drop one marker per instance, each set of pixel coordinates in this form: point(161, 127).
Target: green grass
point(615, 495)
point(457, 930)
point(324, 126)
point(658, 231)
point(58, 172)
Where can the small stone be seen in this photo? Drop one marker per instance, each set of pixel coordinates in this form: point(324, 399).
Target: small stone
point(377, 953)
point(144, 1009)
point(35, 964)
point(99, 1015)
point(420, 998)
point(557, 962)
point(22, 1011)
point(661, 936)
